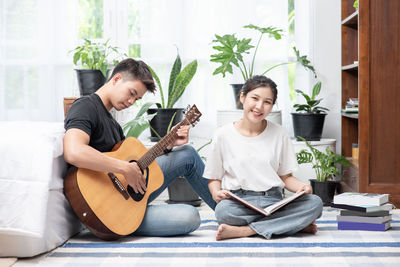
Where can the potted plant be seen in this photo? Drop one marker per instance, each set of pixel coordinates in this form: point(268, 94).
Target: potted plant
point(231, 52)
point(167, 115)
point(325, 166)
point(93, 61)
point(308, 120)
point(137, 125)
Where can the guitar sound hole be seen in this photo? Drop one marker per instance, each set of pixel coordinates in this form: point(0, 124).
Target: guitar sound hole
point(138, 196)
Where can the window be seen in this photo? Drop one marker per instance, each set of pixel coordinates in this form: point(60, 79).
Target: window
point(36, 70)
point(120, 23)
point(91, 19)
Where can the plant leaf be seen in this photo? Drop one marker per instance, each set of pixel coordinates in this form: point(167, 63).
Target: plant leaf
point(316, 90)
point(144, 108)
point(230, 52)
point(170, 122)
point(304, 157)
point(176, 69)
point(303, 94)
point(182, 80)
point(304, 61)
point(155, 132)
point(155, 76)
point(140, 123)
point(272, 31)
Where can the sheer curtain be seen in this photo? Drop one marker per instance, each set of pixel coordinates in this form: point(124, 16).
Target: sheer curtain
point(36, 71)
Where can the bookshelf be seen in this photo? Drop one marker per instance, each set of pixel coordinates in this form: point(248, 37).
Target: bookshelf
point(370, 72)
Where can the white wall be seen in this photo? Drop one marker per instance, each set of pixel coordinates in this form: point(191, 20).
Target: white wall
point(324, 47)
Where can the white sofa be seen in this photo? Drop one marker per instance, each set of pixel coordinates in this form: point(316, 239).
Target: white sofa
point(35, 216)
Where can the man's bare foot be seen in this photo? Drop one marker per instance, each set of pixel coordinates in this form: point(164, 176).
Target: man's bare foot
point(226, 231)
point(310, 229)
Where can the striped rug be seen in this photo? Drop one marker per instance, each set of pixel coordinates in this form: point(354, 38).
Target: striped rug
point(330, 247)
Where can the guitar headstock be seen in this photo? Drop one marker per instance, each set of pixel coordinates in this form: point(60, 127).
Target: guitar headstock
point(193, 115)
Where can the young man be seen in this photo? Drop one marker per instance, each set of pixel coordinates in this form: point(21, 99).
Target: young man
point(90, 130)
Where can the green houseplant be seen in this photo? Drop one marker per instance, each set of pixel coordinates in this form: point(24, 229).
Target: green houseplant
point(232, 51)
point(308, 120)
point(179, 79)
point(325, 166)
point(93, 60)
point(140, 123)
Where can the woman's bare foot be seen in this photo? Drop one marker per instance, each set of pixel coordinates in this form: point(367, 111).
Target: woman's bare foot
point(310, 229)
point(226, 231)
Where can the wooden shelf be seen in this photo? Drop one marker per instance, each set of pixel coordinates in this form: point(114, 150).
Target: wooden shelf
point(375, 127)
point(350, 115)
point(351, 21)
point(350, 67)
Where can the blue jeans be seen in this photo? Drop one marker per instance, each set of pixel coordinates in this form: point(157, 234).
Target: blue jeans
point(177, 219)
point(288, 220)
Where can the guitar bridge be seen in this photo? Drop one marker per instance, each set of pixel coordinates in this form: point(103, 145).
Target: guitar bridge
point(118, 185)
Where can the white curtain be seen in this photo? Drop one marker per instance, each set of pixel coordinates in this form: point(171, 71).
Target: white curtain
point(36, 71)
point(35, 68)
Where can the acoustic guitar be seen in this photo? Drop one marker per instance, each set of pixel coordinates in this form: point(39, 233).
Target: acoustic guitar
point(105, 202)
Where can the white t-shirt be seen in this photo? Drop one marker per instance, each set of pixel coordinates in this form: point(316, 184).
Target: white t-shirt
point(250, 163)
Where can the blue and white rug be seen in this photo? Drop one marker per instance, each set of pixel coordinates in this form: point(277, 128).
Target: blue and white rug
point(330, 247)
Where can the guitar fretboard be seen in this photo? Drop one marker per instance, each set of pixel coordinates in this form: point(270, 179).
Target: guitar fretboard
point(158, 149)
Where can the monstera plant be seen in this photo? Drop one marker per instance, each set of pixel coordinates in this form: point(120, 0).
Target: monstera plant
point(235, 52)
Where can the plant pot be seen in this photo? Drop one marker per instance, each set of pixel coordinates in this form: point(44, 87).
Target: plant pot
point(237, 88)
point(161, 121)
point(89, 81)
point(325, 190)
point(68, 101)
point(308, 125)
point(180, 191)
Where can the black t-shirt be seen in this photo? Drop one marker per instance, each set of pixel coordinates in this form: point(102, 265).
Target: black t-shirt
point(89, 114)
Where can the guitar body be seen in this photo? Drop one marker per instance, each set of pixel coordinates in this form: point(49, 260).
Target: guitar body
point(97, 202)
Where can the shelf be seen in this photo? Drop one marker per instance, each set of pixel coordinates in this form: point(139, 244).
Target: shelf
point(363, 40)
point(350, 115)
point(351, 21)
point(351, 67)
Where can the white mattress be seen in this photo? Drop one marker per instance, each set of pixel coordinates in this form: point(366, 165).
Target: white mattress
point(35, 217)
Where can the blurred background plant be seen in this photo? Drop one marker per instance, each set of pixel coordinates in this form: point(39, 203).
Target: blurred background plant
point(97, 56)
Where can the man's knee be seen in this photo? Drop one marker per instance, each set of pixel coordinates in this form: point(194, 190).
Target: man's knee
point(190, 218)
point(187, 151)
point(190, 155)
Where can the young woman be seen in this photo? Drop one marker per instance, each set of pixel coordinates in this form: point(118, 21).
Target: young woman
point(254, 159)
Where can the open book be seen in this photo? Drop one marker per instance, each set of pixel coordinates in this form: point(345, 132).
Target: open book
point(270, 209)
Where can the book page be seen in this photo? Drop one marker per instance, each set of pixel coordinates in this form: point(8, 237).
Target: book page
point(270, 209)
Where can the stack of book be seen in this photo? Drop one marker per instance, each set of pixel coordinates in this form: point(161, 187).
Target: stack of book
point(363, 211)
point(351, 106)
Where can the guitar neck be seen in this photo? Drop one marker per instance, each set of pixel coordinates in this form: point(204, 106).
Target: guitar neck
point(158, 149)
